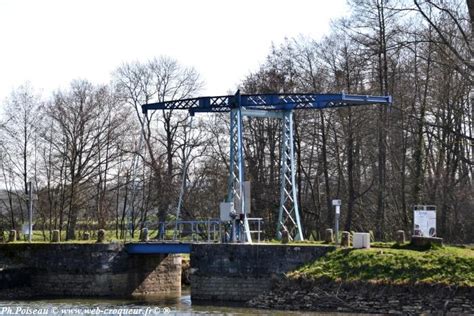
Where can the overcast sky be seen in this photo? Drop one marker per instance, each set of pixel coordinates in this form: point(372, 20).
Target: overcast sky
point(50, 43)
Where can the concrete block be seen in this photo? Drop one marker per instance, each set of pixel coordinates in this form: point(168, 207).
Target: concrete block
point(361, 240)
point(345, 239)
point(12, 236)
point(284, 237)
point(101, 236)
point(400, 237)
point(420, 241)
point(144, 235)
point(329, 236)
point(55, 237)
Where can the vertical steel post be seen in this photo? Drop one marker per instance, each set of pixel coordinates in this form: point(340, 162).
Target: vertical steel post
point(233, 165)
point(288, 215)
point(294, 188)
point(283, 166)
point(247, 236)
point(233, 140)
point(235, 184)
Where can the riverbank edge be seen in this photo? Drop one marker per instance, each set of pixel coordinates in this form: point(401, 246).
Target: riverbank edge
point(325, 295)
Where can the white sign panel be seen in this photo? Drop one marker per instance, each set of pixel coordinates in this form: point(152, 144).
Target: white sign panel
point(25, 229)
point(425, 223)
point(336, 202)
point(225, 209)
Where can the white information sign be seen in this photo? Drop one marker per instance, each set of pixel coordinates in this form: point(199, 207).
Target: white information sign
point(425, 223)
point(225, 209)
point(25, 229)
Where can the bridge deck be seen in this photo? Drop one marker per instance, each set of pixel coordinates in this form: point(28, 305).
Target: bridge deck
point(158, 247)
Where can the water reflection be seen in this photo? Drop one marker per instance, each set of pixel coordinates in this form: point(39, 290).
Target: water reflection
point(151, 305)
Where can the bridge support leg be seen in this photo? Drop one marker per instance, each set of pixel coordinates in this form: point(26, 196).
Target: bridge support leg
point(236, 177)
point(288, 215)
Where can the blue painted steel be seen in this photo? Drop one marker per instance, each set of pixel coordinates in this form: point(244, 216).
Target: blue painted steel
point(288, 214)
point(237, 177)
point(240, 160)
point(233, 139)
point(157, 248)
point(262, 105)
point(287, 101)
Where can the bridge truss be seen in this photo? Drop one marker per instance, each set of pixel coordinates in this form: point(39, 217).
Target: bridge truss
point(278, 106)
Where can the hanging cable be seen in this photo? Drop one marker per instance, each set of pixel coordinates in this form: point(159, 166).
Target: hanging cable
point(183, 180)
point(128, 213)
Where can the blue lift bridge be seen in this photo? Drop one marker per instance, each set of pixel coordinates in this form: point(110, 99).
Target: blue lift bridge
point(278, 106)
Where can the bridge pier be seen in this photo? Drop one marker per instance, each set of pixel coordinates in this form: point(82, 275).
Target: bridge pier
point(154, 274)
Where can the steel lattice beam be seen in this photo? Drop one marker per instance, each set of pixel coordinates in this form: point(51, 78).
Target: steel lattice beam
point(266, 102)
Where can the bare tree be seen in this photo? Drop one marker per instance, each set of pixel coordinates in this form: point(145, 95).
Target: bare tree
point(22, 114)
point(157, 80)
point(84, 122)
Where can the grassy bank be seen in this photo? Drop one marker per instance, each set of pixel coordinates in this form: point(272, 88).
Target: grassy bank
point(447, 265)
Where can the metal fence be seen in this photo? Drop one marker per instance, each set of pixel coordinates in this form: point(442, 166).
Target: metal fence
point(206, 230)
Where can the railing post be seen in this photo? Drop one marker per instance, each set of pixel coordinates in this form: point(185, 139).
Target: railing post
point(220, 231)
point(258, 230)
point(208, 230)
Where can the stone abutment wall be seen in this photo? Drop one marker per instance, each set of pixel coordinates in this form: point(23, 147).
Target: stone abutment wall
point(69, 270)
point(240, 272)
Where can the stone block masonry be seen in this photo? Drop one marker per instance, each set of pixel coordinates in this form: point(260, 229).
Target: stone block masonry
point(225, 272)
point(365, 297)
point(70, 270)
point(240, 272)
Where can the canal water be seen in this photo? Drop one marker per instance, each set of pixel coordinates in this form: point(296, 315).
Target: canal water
point(157, 305)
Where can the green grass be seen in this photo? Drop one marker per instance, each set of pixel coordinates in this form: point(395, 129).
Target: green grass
point(110, 236)
point(304, 242)
point(447, 265)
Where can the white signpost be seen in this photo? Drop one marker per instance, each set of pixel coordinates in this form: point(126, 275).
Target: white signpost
point(424, 220)
point(337, 204)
